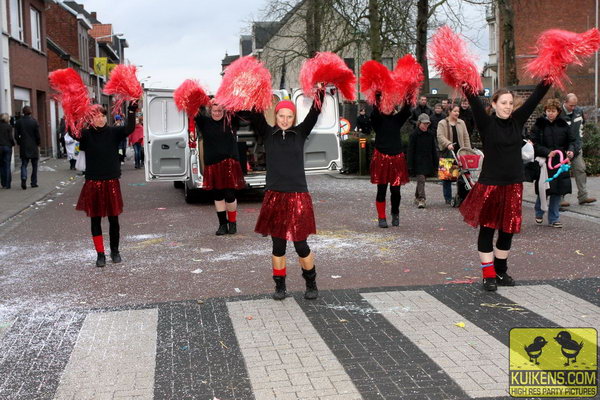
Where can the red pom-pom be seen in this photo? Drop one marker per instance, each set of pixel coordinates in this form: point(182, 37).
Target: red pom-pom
point(246, 86)
point(123, 85)
point(557, 48)
point(74, 98)
point(375, 79)
point(327, 68)
point(189, 97)
point(450, 58)
point(409, 78)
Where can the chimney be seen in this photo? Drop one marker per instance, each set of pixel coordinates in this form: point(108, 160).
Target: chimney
point(93, 13)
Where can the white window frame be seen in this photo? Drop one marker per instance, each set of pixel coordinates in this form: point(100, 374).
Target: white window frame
point(36, 29)
point(16, 12)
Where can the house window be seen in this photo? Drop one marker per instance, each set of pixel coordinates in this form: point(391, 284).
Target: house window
point(349, 63)
point(388, 62)
point(492, 27)
point(16, 19)
point(36, 30)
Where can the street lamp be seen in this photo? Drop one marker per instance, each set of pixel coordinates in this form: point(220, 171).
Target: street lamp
point(145, 79)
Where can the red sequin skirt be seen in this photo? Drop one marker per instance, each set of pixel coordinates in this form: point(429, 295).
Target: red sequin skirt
point(389, 169)
point(226, 174)
point(101, 198)
point(497, 207)
point(286, 216)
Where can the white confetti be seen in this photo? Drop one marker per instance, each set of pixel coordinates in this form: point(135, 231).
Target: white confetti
point(336, 276)
point(202, 250)
point(237, 290)
point(196, 271)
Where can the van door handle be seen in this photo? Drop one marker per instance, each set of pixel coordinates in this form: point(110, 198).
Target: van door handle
point(164, 146)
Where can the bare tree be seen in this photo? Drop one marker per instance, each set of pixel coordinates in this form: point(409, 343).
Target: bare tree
point(508, 43)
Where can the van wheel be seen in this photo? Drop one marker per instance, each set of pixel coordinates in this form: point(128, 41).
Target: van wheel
point(190, 195)
point(178, 184)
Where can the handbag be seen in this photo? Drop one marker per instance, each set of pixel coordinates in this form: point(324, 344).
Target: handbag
point(447, 169)
point(80, 164)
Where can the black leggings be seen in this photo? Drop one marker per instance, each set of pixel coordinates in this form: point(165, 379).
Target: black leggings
point(224, 194)
point(113, 230)
point(485, 241)
point(279, 246)
point(394, 196)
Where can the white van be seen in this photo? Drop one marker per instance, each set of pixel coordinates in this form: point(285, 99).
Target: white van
point(169, 157)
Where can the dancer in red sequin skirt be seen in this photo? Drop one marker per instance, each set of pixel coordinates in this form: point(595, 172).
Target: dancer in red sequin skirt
point(495, 201)
point(222, 170)
point(287, 211)
point(101, 193)
point(388, 165)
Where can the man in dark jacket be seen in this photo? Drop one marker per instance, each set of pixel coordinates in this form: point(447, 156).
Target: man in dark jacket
point(466, 115)
point(28, 139)
point(363, 123)
point(573, 115)
point(421, 108)
point(436, 117)
point(6, 147)
point(422, 156)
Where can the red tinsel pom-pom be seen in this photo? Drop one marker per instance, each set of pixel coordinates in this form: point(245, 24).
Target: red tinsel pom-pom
point(408, 75)
point(327, 68)
point(376, 79)
point(557, 49)
point(189, 97)
point(449, 55)
point(246, 86)
point(123, 85)
point(74, 98)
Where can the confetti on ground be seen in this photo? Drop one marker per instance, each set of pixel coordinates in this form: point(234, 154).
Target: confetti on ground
point(237, 290)
point(205, 250)
point(223, 345)
point(336, 276)
point(448, 278)
point(578, 252)
point(200, 301)
point(465, 281)
point(442, 229)
point(460, 324)
point(161, 208)
point(249, 317)
point(407, 270)
point(530, 253)
point(343, 320)
point(506, 306)
point(197, 271)
point(443, 273)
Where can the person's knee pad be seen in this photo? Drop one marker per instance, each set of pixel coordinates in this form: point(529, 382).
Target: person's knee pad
point(302, 249)
point(218, 195)
point(504, 241)
point(485, 240)
point(229, 196)
point(279, 246)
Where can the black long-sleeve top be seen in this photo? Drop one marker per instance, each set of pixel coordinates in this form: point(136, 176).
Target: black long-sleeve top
point(101, 146)
point(387, 130)
point(6, 135)
point(219, 138)
point(502, 139)
point(285, 151)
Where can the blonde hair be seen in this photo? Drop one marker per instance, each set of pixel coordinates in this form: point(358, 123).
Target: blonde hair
point(4, 117)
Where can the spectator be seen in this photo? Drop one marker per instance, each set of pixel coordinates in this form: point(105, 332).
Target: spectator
point(436, 117)
point(363, 123)
point(72, 145)
point(467, 116)
point(136, 140)
point(550, 136)
point(123, 143)
point(60, 136)
point(7, 143)
point(573, 115)
point(452, 131)
point(445, 104)
point(422, 156)
point(28, 139)
point(421, 108)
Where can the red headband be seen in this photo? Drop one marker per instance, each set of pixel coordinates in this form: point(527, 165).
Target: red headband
point(285, 104)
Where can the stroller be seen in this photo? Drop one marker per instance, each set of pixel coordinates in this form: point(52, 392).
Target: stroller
point(469, 166)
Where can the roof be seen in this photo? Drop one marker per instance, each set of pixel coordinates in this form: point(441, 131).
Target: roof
point(229, 59)
point(245, 45)
point(263, 31)
point(78, 14)
point(81, 9)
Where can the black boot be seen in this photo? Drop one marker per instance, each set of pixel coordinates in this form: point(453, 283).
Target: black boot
point(382, 223)
point(222, 230)
point(489, 284)
point(115, 256)
point(101, 260)
point(232, 228)
point(395, 219)
point(310, 277)
point(280, 290)
point(504, 279)
point(24, 184)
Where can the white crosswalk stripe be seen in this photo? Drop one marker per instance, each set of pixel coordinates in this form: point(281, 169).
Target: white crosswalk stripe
point(475, 360)
point(285, 356)
point(554, 304)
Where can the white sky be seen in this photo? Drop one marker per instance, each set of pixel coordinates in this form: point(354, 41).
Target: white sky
point(179, 39)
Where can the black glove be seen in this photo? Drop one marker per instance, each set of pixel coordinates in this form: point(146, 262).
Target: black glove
point(133, 106)
point(321, 94)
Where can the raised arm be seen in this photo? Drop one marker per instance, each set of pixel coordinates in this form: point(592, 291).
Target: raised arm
point(257, 120)
point(524, 112)
point(124, 131)
point(403, 115)
point(482, 119)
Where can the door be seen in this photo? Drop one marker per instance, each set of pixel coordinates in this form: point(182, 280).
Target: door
point(322, 150)
point(165, 137)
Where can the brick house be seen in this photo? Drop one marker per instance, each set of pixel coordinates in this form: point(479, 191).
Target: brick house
point(576, 15)
point(68, 47)
point(29, 64)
